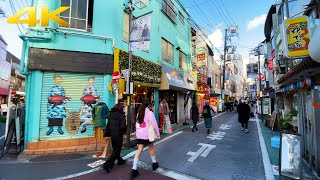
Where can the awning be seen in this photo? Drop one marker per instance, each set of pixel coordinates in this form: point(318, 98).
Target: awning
point(4, 91)
point(172, 79)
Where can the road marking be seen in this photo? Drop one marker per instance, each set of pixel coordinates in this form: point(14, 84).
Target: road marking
point(96, 163)
point(166, 172)
point(216, 135)
point(265, 156)
point(98, 168)
point(203, 151)
point(2, 137)
point(225, 126)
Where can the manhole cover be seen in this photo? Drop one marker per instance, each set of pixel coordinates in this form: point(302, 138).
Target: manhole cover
point(239, 177)
point(56, 157)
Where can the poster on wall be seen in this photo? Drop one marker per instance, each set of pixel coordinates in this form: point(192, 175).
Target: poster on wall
point(252, 70)
point(290, 156)
point(67, 104)
point(220, 102)
point(297, 37)
point(266, 106)
point(140, 35)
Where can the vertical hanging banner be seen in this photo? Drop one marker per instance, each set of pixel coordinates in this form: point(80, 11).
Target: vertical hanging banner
point(140, 33)
point(297, 37)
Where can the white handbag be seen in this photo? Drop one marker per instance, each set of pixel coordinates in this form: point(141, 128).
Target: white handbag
point(151, 133)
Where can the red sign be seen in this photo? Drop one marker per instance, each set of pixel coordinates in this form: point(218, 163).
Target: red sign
point(201, 57)
point(202, 88)
point(115, 77)
point(214, 103)
point(270, 65)
point(261, 76)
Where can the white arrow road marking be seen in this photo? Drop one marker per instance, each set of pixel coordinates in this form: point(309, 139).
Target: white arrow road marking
point(203, 151)
point(2, 137)
point(96, 163)
point(225, 126)
point(216, 135)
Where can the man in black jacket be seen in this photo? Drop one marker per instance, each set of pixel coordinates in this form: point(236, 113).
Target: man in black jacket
point(116, 128)
point(244, 115)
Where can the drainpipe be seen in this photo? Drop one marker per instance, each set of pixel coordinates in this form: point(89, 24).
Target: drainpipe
point(23, 70)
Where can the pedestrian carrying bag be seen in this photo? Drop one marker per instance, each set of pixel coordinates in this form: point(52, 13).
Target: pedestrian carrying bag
point(211, 112)
point(151, 133)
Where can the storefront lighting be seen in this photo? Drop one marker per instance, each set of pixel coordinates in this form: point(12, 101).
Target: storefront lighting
point(134, 94)
point(139, 85)
point(144, 92)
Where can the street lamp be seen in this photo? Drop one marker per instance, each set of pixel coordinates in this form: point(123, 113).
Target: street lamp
point(8, 110)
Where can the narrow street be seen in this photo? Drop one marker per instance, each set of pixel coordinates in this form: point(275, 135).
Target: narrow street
point(229, 153)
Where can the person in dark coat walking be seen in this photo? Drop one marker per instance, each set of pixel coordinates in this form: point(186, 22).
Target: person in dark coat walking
point(207, 114)
point(194, 116)
point(244, 115)
point(116, 128)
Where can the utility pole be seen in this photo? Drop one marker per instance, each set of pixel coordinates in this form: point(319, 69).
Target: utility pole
point(224, 66)
point(260, 85)
point(130, 9)
point(232, 31)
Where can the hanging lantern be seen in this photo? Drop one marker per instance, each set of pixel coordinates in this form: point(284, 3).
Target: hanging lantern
point(295, 87)
point(309, 82)
point(300, 84)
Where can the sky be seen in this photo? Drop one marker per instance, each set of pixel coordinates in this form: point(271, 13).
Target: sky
point(250, 16)
point(10, 32)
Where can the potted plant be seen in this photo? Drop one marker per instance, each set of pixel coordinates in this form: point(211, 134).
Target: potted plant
point(294, 114)
point(285, 125)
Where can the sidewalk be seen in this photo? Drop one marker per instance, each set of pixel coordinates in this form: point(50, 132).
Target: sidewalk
point(274, 153)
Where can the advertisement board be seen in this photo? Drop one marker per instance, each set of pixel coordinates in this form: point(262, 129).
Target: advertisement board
point(252, 70)
point(297, 37)
point(214, 103)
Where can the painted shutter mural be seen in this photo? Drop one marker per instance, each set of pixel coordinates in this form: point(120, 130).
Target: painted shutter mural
point(75, 92)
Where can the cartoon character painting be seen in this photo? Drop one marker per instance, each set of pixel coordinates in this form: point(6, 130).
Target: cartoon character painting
point(56, 107)
point(89, 99)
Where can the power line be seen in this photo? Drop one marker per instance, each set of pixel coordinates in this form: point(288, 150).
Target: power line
point(221, 13)
point(228, 13)
point(209, 24)
point(13, 9)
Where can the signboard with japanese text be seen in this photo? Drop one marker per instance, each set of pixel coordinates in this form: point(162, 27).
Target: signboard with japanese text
point(201, 57)
point(202, 88)
point(297, 37)
point(214, 103)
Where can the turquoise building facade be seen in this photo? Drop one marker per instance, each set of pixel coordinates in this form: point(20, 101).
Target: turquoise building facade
point(82, 57)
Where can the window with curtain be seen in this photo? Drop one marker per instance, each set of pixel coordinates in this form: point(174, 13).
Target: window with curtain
point(168, 9)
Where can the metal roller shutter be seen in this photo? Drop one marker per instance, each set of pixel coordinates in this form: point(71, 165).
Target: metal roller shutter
point(75, 86)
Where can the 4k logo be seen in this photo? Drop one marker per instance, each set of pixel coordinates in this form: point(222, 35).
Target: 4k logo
point(32, 17)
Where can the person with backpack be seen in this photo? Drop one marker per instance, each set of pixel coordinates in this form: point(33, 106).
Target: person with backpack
point(207, 114)
point(146, 132)
point(116, 128)
point(194, 116)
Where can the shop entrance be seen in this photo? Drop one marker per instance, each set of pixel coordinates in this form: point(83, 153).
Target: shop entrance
point(171, 97)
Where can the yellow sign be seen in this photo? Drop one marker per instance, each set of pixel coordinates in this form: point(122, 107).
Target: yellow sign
point(32, 17)
point(297, 37)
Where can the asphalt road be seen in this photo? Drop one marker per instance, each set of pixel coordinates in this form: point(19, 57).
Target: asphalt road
point(234, 155)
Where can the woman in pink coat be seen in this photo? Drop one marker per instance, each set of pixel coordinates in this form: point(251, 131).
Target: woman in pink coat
point(145, 116)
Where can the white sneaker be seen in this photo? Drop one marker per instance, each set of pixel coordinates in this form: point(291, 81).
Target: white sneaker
point(242, 129)
point(246, 130)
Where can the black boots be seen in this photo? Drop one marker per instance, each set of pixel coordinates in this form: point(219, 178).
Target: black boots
point(155, 166)
point(134, 173)
point(107, 166)
point(121, 162)
point(208, 131)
